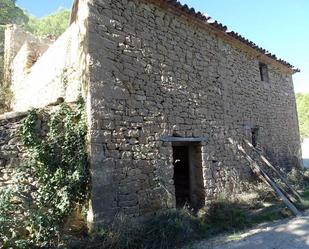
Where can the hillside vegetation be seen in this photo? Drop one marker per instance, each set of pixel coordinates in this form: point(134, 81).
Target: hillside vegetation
point(303, 114)
point(54, 24)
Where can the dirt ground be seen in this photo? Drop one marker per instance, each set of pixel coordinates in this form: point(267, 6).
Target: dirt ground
point(287, 234)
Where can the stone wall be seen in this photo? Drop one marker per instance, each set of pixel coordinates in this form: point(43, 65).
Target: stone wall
point(11, 151)
point(15, 38)
point(155, 74)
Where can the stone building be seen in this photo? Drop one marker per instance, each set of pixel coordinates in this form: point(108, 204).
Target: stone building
point(167, 90)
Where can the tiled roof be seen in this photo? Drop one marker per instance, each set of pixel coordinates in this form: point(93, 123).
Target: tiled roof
point(219, 26)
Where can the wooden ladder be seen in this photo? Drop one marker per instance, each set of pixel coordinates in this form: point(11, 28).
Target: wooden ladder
point(264, 160)
point(268, 179)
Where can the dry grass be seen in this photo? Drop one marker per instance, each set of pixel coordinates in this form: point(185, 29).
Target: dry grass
point(175, 228)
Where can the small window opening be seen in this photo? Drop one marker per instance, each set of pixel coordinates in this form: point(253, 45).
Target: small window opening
point(263, 72)
point(255, 133)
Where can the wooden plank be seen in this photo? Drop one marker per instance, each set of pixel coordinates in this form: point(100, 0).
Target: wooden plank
point(256, 168)
point(294, 192)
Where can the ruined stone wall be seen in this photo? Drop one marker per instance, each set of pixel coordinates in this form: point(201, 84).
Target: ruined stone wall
point(155, 74)
point(11, 151)
point(58, 73)
point(54, 75)
point(15, 38)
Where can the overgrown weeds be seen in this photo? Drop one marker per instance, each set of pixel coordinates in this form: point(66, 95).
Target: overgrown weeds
point(235, 213)
point(299, 179)
point(174, 228)
point(166, 230)
point(51, 184)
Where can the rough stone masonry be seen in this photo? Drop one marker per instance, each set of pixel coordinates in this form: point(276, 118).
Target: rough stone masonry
point(166, 90)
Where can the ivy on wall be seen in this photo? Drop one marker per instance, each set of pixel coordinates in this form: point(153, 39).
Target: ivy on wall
point(57, 165)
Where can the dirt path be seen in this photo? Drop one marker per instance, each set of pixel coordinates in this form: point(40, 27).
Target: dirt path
point(288, 234)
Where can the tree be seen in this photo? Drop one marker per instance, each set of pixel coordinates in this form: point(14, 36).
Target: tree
point(54, 24)
point(10, 13)
point(302, 101)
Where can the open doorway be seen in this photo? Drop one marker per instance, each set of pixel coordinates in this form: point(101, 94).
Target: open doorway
point(181, 175)
point(188, 175)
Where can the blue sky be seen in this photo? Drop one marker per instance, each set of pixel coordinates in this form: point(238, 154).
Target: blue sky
point(40, 8)
point(280, 26)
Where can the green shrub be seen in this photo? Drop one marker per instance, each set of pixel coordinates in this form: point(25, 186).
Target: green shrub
point(171, 229)
point(265, 193)
point(13, 220)
point(302, 101)
point(124, 233)
point(223, 216)
point(298, 178)
point(54, 24)
point(58, 164)
point(8, 220)
point(166, 230)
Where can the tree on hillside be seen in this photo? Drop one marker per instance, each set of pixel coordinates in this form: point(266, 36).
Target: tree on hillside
point(303, 114)
point(54, 24)
point(10, 13)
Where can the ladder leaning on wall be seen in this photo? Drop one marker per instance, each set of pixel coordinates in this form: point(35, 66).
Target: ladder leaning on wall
point(286, 193)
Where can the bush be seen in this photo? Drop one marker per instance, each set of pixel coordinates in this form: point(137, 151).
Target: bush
point(299, 178)
point(10, 224)
point(171, 229)
point(166, 230)
point(302, 101)
point(223, 216)
point(264, 192)
point(54, 24)
point(58, 166)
